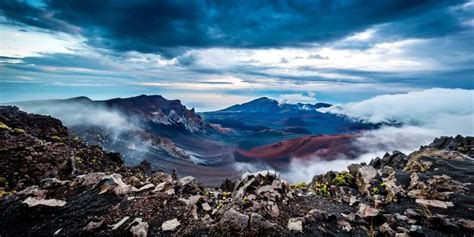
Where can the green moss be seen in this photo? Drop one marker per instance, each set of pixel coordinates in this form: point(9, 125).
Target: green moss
point(4, 126)
point(298, 185)
point(322, 189)
point(19, 131)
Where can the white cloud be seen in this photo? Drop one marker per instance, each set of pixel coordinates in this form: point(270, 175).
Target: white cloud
point(450, 111)
point(425, 115)
point(74, 114)
point(362, 36)
point(308, 98)
point(16, 43)
point(376, 143)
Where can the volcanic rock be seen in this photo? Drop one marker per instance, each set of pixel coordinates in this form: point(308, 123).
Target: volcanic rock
point(234, 220)
point(434, 203)
point(119, 224)
point(34, 201)
point(139, 228)
point(170, 225)
point(364, 177)
point(295, 224)
point(367, 211)
point(114, 183)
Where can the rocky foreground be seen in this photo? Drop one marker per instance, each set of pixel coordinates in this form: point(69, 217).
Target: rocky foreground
point(52, 184)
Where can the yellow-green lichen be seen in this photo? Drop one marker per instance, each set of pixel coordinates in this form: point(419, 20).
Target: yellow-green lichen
point(19, 131)
point(226, 195)
point(3, 192)
point(374, 190)
point(245, 200)
point(4, 126)
point(56, 138)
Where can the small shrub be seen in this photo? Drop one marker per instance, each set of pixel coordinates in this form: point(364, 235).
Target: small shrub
point(374, 190)
point(321, 189)
point(298, 185)
point(342, 179)
point(339, 180)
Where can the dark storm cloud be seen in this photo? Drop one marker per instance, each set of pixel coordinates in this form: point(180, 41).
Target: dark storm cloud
point(24, 14)
point(169, 27)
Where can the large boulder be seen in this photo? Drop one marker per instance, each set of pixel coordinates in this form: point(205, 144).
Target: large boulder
point(139, 228)
point(170, 225)
point(364, 177)
point(395, 160)
point(233, 220)
point(459, 143)
point(295, 224)
point(115, 184)
point(263, 191)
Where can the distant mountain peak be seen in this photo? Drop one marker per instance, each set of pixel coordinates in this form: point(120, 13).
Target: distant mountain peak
point(262, 99)
point(79, 99)
point(262, 104)
point(265, 104)
point(159, 109)
point(154, 108)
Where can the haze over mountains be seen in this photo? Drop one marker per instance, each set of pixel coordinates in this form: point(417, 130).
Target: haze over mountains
point(260, 134)
point(171, 136)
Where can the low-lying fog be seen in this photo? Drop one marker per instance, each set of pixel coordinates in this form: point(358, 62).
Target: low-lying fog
point(423, 115)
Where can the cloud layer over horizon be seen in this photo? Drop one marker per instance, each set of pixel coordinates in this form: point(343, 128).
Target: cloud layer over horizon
point(342, 50)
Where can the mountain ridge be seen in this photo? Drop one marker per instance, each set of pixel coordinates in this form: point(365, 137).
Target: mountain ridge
point(154, 108)
point(265, 104)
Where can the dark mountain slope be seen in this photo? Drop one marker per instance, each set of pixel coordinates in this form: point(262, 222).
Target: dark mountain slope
point(265, 104)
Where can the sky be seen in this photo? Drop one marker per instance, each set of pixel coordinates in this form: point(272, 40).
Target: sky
point(212, 54)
